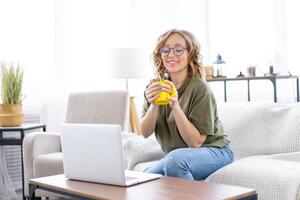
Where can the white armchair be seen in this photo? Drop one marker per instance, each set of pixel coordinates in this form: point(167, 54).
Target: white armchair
point(42, 151)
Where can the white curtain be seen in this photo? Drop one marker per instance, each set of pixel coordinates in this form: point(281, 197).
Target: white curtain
point(248, 33)
point(293, 32)
point(27, 37)
point(62, 43)
point(7, 190)
point(92, 28)
point(245, 33)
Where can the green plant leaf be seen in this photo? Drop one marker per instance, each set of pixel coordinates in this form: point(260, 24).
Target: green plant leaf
point(12, 80)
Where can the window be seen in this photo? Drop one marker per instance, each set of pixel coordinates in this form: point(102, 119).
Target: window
point(243, 32)
point(27, 37)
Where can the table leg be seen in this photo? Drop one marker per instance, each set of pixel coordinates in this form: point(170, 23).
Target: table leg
point(225, 91)
point(32, 189)
point(275, 91)
point(252, 197)
point(273, 80)
point(248, 85)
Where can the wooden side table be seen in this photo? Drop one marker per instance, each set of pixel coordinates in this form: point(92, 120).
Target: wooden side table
point(19, 141)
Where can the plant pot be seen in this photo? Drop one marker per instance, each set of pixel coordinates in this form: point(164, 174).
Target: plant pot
point(11, 115)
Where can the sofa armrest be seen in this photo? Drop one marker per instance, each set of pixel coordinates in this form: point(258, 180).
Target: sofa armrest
point(35, 144)
point(274, 177)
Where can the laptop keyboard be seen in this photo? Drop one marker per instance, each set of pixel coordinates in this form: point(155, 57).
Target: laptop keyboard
point(130, 178)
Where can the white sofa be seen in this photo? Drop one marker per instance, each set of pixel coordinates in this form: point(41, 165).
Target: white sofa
point(265, 138)
point(42, 151)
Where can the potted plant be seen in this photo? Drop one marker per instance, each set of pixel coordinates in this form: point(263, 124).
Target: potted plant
point(11, 113)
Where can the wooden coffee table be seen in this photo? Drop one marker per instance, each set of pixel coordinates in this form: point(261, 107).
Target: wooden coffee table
point(164, 188)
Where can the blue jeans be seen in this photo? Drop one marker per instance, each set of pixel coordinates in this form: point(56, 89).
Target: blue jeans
point(193, 163)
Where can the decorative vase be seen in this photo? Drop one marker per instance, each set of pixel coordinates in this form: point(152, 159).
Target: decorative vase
point(11, 115)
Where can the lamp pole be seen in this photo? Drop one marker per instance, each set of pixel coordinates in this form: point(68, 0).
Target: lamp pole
point(133, 116)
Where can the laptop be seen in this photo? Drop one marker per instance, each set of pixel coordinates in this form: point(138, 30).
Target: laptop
point(93, 152)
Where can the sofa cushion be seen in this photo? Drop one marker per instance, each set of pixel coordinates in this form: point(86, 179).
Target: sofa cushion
point(261, 128)
point(105, 107)
point(137, 149)
point(273, 178)
point(48, 164)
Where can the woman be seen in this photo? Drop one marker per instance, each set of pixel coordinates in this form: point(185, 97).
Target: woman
point(188, 129)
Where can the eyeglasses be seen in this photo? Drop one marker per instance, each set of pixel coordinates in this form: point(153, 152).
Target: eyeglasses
point(177, 51)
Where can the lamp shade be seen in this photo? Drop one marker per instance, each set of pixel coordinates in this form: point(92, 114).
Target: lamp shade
point(127, 63)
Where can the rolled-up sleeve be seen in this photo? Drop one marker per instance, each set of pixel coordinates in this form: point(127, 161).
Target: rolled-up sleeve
point(202, 113)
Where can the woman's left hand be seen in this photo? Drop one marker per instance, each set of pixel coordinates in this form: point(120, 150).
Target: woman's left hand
point(174, 99)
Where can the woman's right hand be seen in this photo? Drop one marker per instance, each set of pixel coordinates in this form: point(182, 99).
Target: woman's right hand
point(152, 91)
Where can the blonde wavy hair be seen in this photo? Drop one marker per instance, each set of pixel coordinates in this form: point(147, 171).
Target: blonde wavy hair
point(195, 66)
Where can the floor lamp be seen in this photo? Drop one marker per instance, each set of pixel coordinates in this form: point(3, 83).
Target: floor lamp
point(129, 63)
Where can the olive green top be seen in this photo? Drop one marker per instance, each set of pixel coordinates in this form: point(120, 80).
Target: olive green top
point(198, 103)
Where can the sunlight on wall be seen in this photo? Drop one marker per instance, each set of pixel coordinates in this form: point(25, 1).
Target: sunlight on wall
point(293, 33)
point(131, 23)
point(98, 27)
point(66, 45)
point(243, 32)
point(27, 37)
